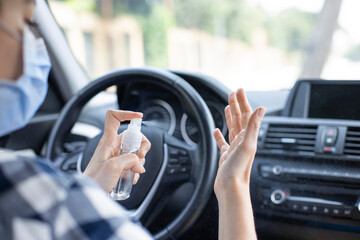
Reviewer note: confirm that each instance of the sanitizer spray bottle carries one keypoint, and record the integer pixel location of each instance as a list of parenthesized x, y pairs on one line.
[(130, 143)]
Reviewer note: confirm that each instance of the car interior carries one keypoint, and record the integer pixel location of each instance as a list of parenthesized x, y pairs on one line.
[(305, 176)]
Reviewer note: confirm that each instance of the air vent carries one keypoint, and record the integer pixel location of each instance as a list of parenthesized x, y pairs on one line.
[(352, 141), (293, 138)]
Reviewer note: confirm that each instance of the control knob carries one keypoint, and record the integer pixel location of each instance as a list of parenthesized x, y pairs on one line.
[(278, 196), (277, 170)]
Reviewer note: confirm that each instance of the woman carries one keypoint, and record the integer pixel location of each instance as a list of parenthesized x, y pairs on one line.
[(39, 202)]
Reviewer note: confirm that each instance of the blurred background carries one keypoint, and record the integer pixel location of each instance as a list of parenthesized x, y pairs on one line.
[(259, 45)]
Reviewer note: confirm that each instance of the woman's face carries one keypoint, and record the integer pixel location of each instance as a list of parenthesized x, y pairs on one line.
[(16, 13), (29, 7)]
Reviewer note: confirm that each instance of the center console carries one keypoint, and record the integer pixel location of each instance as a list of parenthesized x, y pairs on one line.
[(307, 166)]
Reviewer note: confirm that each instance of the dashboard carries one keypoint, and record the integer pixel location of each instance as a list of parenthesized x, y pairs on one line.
[(306, 174), (162, 108)]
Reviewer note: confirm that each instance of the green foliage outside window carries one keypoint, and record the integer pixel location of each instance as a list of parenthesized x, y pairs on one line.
[(235, 19)]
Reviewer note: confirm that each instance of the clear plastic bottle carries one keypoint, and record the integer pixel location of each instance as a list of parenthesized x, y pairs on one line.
[(130, 143)]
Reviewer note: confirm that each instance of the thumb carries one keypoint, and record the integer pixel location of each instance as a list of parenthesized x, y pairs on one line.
[(252, 129)]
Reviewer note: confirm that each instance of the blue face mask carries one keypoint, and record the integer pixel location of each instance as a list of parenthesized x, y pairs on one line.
[(20, 99)]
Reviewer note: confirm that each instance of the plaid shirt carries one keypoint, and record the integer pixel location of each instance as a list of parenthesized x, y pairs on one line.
[(39, 202)]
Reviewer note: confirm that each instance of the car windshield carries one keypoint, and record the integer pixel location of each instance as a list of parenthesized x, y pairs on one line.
[(259, 45)]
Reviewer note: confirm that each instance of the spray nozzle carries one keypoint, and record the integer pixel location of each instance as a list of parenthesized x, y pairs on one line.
[(135, 124), (132, 136), (136, 121)]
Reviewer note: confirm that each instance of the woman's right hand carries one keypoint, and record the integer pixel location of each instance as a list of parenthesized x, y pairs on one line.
[(105, 166)]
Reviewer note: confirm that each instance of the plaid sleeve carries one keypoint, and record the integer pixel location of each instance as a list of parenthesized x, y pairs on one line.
[(40, 202)]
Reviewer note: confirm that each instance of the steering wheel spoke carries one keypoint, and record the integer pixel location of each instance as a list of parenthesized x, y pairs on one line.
[(180, 161), (176, 170)]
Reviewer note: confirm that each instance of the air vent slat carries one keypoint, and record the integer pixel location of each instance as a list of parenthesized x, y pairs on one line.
[(294, 130), (353, 133), (275, 146), (306, 142), (352, 145), (352, 141), (305, 148), (280, 146), (299, 141), (352, 152), (291, 137)]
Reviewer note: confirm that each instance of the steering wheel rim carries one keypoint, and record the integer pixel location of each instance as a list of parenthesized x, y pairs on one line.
[(202, 116)]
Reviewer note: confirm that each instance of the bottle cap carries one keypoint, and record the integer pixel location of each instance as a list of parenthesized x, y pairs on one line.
[(135, 124), (132, 136)]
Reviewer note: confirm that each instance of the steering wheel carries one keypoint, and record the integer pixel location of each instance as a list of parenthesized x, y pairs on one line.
[(170, 163)]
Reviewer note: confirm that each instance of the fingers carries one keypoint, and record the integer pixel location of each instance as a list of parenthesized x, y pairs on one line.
[(253, 127), (229, 123), (138, 168), (245, 107), (220, 140), (235, 113), (114, 117), (137, 175), (125, 115), (125, 162), (136, 178), (145, 147)]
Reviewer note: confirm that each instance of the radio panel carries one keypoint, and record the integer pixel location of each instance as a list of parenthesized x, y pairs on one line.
[(282, 201), (302, 190), (297, 172), (308, 169)]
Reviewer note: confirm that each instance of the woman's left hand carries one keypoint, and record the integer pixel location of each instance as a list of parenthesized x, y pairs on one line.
[(237, 157), (105, 165)]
